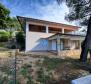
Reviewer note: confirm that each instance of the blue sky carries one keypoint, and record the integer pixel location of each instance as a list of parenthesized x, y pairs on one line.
[(40, 9)]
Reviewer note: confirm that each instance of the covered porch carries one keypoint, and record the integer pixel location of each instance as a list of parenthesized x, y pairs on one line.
[(65, 44)]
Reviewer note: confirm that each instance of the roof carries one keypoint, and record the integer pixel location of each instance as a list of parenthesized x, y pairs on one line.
[(67, 35), (22, 20)]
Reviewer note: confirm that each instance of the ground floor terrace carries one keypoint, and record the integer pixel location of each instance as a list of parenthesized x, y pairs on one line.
[(65, 44)]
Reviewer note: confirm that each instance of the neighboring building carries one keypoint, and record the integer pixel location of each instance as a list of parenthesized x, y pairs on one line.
[(49, 36)]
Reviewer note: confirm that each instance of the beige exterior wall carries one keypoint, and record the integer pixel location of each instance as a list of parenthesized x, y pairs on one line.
[(71, 44), (70, 53), (35, 41)]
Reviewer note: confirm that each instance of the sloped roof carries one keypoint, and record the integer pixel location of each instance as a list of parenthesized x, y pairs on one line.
[(22, 21)]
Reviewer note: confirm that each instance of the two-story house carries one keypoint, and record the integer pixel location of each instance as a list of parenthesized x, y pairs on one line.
[(41, 35)]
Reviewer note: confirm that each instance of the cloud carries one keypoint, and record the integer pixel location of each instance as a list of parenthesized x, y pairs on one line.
[(54, 12), (51, 12), (40, 9)]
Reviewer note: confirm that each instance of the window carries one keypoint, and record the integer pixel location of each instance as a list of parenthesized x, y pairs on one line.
[(77, 45), (66, 44), (54, 30), (37, 28)]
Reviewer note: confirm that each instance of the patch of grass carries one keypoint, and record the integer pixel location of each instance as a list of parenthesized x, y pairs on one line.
[(51, 63), (25, 66), (30, 81), (40, 74), (25, 72), (42, 77), (24, 69), (6, 68)]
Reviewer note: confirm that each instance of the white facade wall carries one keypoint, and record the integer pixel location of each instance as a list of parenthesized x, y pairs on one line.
[(35, 41)]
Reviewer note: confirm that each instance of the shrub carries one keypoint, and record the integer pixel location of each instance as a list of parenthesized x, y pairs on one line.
[(2, 45), (4, 36), (20, 40), (13, 47)]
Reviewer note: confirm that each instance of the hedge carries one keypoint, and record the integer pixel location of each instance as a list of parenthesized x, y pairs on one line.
[(4, 36)]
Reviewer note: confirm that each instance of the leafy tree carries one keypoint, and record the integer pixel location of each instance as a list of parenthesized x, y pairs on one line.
[(4, 15), (16, 23), (6, 21), (12, 25), (80, 10)]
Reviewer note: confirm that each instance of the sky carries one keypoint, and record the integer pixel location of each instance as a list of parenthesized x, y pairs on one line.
[(40, 9)]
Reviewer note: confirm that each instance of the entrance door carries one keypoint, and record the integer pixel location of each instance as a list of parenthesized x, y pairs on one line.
[(54, 47)]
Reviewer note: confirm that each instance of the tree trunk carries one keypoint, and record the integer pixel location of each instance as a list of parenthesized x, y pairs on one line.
[(86, 43)]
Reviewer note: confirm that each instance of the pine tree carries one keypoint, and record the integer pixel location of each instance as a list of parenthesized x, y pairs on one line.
[(80, 10)]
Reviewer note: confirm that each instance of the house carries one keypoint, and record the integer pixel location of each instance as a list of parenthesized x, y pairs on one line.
[(43, 35)]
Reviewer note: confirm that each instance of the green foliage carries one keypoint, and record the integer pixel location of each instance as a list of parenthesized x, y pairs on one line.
[(30, 81), (4, 15), (24, 69), (3, 80), (10, 82), (51, 63), (27, 66), (16, 23), (6, 21), (24, 72), (42, 77), (4, 36), (6, 69), (13, 47), (6, 80), (2, 44), (13, 24), (20, 40), (80, 10)]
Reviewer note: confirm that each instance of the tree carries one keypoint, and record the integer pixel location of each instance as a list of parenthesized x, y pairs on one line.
[(80, 10), (4, 15), (10, 26), (16, 23), (6, 21)]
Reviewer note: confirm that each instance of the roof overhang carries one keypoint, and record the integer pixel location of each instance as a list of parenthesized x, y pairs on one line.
[(23, 21), (66, 36)]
